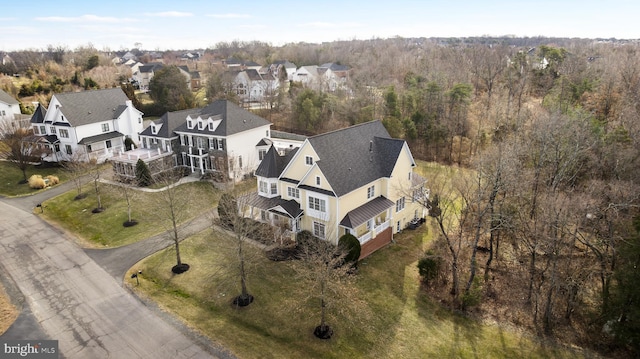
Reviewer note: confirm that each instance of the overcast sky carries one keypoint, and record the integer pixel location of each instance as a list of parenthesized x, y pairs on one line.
[(193, 24)]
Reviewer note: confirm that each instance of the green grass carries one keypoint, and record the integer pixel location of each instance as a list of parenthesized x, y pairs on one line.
[(10, 177), (105, 228), (398, 320)]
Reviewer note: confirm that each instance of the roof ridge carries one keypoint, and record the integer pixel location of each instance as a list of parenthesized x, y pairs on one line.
[(346, 128)]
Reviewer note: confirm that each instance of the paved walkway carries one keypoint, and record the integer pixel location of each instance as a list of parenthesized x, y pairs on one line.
[(76, 296)]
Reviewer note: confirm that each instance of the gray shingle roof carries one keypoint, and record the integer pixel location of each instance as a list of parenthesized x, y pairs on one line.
[(82, 108), (39, 114), (273, 164), (8, 99), (352, 157), (170, 121), (234, 119)]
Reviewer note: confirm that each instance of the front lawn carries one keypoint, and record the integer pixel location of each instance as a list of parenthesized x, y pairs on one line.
[(105, 229), (402, 322), (11, 176)]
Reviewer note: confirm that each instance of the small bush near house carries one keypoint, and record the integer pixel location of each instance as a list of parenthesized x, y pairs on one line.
[(36, 182), (428, 267), (352, 245), (53, 180)]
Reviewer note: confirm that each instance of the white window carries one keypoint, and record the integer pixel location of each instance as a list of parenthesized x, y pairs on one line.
[(189, 124), (263, 215), (318, 230), (317, 204), (64, 133), (210, 126), (154, 130), (371, 192), (261, 154), (274, 188), (52, 129), (267, 133), (317, 180), (108, 143), (293, 192), (43, 130), (240, 161), (185, 140), (105, 127), (35, 130), (200, 125), (400, 204), (220, 144), (68, 149), (262, 186), (308, 160)]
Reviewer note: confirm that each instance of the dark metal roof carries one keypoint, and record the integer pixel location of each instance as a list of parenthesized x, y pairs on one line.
[(365, 212), (100, 137)]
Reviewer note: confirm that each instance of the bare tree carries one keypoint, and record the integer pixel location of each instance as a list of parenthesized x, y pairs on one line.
[(77, 167), (173, 201), (322, 268), (240, 230), (95, 171), (19, 146)]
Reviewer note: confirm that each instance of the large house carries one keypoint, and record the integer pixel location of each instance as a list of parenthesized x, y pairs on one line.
[(221, 139), (92, 123), (356, 180)]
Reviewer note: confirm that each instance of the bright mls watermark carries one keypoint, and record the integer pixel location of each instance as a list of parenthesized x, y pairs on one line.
[(41, 349)]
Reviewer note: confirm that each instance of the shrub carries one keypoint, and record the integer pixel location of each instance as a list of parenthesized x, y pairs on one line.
[(53, 180), (428, 267), (36, 182), (352, 245), (143, 174)]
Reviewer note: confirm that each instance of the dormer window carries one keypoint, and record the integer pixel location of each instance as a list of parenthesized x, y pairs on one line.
[(308, 160), (210, 126), (189, 123), (154, 130), (200, 125)]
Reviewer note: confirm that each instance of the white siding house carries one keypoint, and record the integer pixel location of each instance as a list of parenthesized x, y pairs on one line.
[(95, 123)]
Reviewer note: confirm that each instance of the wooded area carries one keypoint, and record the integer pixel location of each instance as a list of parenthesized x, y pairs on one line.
[(542, 228)]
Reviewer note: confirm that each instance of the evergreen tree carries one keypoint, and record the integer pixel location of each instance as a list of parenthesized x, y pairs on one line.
[(143, 175)]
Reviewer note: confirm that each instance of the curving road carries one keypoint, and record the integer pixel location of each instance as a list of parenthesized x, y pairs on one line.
[(76, 301)]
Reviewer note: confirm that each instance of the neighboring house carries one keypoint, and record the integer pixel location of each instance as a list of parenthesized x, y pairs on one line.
[(335, 76), (308, 76), (277, 68), (92, 123), (252, 87), (240, 65), (193, 78), (356, 180), (145, 73), (9, 107), (221, 139)]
